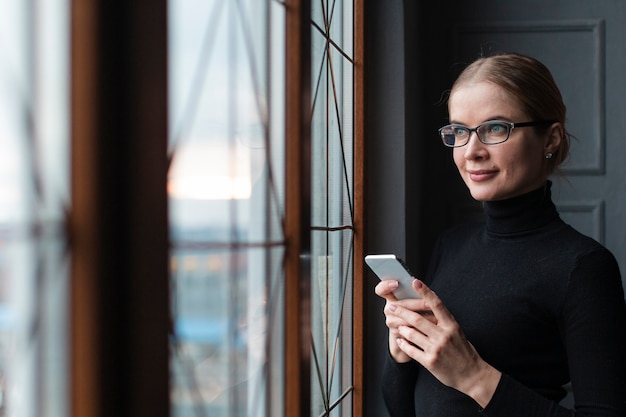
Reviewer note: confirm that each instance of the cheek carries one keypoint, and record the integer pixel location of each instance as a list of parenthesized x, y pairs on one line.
[(521, 170), (459, 160)]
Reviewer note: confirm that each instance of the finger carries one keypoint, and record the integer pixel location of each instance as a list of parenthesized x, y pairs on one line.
[(417, 338), (410, 349), (423, 322), (393, 322), (414, 304), (428, 315), (433, 302), (393, 319), (386, 287)]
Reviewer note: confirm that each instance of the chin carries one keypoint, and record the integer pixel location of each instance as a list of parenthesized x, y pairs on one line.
[(483, 197), (494, 195), (486, 193)]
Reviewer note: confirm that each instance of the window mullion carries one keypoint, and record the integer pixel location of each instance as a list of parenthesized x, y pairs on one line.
[(298, 209)]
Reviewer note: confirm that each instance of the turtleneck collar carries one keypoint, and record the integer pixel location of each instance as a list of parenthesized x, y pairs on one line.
[(522, 213)]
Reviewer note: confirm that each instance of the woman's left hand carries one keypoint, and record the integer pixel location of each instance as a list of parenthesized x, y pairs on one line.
[(443, 350)]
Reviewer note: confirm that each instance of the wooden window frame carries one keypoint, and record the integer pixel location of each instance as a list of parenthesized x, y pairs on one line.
[(298, 213), (118, 221), (298, 208), (119, 330), (359, 289)]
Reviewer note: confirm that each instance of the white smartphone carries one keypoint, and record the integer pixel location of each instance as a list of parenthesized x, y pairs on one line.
[(391, 267)]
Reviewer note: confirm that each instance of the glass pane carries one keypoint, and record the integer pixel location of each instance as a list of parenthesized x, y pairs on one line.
[(332, 209), (34, 183), (226, 202), (338, 17)]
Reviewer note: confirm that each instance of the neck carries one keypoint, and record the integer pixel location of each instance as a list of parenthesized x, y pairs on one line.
[(522, 213)]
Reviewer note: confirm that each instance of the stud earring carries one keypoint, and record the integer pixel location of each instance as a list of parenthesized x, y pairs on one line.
[(549, 155)]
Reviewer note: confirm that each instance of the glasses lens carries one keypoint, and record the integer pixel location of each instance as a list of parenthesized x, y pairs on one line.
[(494, 132), (454, 135), (447, 134)]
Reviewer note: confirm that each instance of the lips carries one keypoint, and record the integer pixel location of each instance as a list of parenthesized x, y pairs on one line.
[(482, 175)]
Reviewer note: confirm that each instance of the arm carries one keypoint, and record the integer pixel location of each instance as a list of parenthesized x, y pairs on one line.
[(594, 333), (593, 328), (399, 371), (398, 387)]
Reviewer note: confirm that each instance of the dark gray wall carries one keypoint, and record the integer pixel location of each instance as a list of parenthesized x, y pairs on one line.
[(410, 175), (385, 179)]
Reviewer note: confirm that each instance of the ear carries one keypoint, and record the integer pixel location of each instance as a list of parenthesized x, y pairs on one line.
[(554, 136)]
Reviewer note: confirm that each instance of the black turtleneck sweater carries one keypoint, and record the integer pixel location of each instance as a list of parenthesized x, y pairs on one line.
[(540, 302)]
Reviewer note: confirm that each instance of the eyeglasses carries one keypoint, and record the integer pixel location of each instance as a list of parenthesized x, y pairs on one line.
[(489, 133)]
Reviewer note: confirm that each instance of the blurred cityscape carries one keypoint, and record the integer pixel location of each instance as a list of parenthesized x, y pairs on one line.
[(209, 307)]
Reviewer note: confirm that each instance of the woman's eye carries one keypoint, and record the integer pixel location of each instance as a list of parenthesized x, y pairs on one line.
[(497, 129), (460, 131)]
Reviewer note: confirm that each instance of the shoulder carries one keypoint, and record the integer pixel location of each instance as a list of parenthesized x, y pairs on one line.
[(595, 269), (582, 254), (588, 254), (580, 241), (594, 276)]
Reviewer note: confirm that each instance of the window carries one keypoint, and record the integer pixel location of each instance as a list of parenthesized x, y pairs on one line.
[(34, 196), (236, 205), (240, 223), (226, 188), (332, 201)]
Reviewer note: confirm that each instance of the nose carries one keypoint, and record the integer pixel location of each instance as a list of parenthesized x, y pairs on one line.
[(475, 149)]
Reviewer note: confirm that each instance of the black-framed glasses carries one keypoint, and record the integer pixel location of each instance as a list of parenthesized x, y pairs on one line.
[(489, 133)]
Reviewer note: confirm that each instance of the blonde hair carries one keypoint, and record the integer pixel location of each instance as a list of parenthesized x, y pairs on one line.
[(531, 84)]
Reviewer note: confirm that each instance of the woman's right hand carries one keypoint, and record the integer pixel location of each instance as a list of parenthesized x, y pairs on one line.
[(385, 289)]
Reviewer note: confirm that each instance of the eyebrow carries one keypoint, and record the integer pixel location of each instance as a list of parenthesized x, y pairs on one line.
[(503, 118)]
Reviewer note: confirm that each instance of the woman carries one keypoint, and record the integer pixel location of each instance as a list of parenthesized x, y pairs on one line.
[(516, 307)]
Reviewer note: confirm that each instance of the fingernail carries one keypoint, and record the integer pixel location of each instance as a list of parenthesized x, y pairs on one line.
[(399, 341), (393, 284), (393, 307), (418, 283)]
